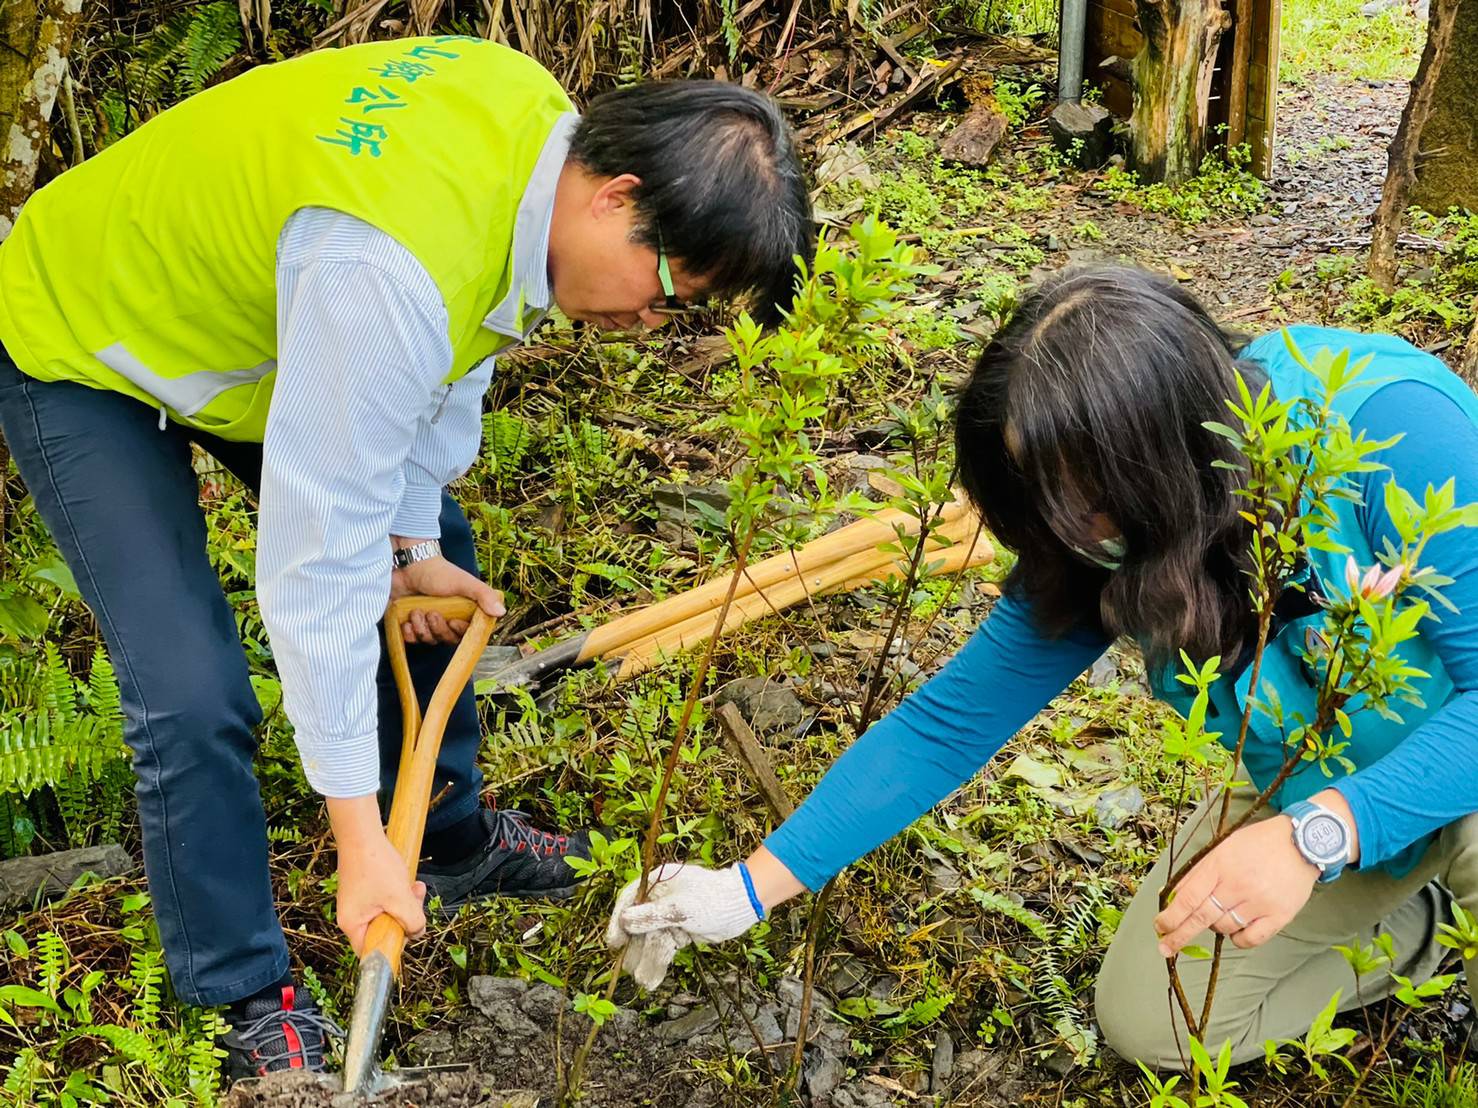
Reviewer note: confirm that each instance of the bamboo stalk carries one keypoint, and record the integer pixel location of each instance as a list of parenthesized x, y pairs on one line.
[(864, 568), (864, 535)]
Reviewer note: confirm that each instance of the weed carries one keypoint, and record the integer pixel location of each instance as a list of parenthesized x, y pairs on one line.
[(1332, 36), (1223, 188)]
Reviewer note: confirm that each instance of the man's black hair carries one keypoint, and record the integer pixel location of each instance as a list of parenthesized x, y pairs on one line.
[(720, 182)]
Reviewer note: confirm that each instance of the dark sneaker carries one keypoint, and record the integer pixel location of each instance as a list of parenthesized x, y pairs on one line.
[(518, 860), (284, 1034)]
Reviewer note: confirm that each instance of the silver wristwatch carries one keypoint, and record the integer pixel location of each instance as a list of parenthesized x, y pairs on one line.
[(1321, 836), (416, 552)]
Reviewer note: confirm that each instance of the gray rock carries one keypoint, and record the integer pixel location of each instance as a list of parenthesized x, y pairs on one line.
[(883, 986), (1090, 124), (542, 1003), (682, 507), (677, 1011), (767, 706), (23, 880), (767, 1022), (861, 1094), (700, 1021), (841, 163), (822, 1073), (849, 975), (498, 999), (856, 470), (821, 649), (975, 139), (944, 1063), (975, 1068), (1103, 671), (1117, 807)]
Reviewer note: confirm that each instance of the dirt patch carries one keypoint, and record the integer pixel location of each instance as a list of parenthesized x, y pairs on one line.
[(466, 1089)]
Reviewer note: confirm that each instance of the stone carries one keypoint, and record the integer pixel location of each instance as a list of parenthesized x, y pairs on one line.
[(943, 1064), (975, 139), (700, 1021), (498, 999), (681, 508), (542, 1003), (47, 876), (849, 975), (1116, 807), (766, 705), (767, 1022), (861, 1094), (1103, 671), (677, 1011), (1090, 124), (857, 471), (822, 1073), (843, 163)]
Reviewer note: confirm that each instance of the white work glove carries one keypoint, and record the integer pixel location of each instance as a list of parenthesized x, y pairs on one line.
[(684, 904)]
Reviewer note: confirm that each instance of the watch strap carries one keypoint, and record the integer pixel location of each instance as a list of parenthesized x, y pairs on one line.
[(416, 552), (1300, 812)]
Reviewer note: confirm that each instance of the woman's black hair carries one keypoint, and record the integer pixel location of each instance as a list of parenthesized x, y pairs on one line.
[(720, 182), (1091, 400)]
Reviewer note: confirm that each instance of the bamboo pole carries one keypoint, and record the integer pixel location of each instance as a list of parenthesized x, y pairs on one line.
[(863, 568), (863, 536)]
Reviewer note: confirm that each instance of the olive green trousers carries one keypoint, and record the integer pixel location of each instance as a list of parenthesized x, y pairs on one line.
[(1274, 991)]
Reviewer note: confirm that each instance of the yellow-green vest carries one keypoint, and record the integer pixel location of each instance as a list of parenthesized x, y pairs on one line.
[(150, 269)]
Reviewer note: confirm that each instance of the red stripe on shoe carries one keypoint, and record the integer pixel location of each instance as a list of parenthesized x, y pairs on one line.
[(289, 994), (294, 1045)]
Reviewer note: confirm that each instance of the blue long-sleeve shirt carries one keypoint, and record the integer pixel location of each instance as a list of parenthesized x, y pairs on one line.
[(1008, 672)]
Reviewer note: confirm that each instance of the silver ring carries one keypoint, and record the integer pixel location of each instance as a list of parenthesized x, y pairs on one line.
[(1224, 910)]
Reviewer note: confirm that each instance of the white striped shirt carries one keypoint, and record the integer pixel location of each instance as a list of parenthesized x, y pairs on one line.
[(362, 435)]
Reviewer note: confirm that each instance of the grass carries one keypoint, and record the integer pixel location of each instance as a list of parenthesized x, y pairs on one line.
[(1332, 37)]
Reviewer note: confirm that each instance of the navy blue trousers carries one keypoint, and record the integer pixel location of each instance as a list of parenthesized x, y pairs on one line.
[(121, 499)]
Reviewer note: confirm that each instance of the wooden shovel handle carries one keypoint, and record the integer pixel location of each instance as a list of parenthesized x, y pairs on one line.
[(422, 742)]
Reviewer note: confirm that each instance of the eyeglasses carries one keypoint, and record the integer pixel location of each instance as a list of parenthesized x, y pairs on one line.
[(671, 305)]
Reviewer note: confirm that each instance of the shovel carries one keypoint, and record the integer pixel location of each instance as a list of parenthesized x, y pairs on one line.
[(379, 961)]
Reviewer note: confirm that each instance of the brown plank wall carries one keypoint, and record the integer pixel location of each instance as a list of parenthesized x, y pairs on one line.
[(1113, 33)]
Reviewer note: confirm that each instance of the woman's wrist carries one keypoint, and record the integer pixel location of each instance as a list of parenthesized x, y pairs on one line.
[(773, 882)]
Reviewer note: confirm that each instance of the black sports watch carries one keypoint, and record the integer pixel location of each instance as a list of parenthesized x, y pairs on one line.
[(416, 552)]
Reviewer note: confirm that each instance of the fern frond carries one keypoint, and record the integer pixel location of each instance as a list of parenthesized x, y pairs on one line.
[(213, 36)]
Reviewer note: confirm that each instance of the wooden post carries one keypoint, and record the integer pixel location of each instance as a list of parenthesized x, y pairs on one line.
[(1401, 173), (1172, 85)]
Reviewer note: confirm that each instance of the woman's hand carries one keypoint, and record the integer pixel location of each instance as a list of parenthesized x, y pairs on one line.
[(688, 903), (684, 904), (1249, 888), (439, 577), (372, 874)]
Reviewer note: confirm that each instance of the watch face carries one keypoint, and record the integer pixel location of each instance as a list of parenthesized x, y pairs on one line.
[(1324, 838)]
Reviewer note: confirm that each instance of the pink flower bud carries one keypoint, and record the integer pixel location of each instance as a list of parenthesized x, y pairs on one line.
[(1352, 572), (1387, 582), (1367, 583)]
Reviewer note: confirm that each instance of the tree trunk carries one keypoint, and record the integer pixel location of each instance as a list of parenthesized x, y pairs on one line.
[(1468, 367), (1447, 176), (35, 36), (1401, 173), (1172, 85)]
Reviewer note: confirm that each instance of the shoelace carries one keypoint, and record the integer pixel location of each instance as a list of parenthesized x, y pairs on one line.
[(300, 1020), (516, 833)]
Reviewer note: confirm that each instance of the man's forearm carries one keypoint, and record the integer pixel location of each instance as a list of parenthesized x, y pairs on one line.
[(354, 820)]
